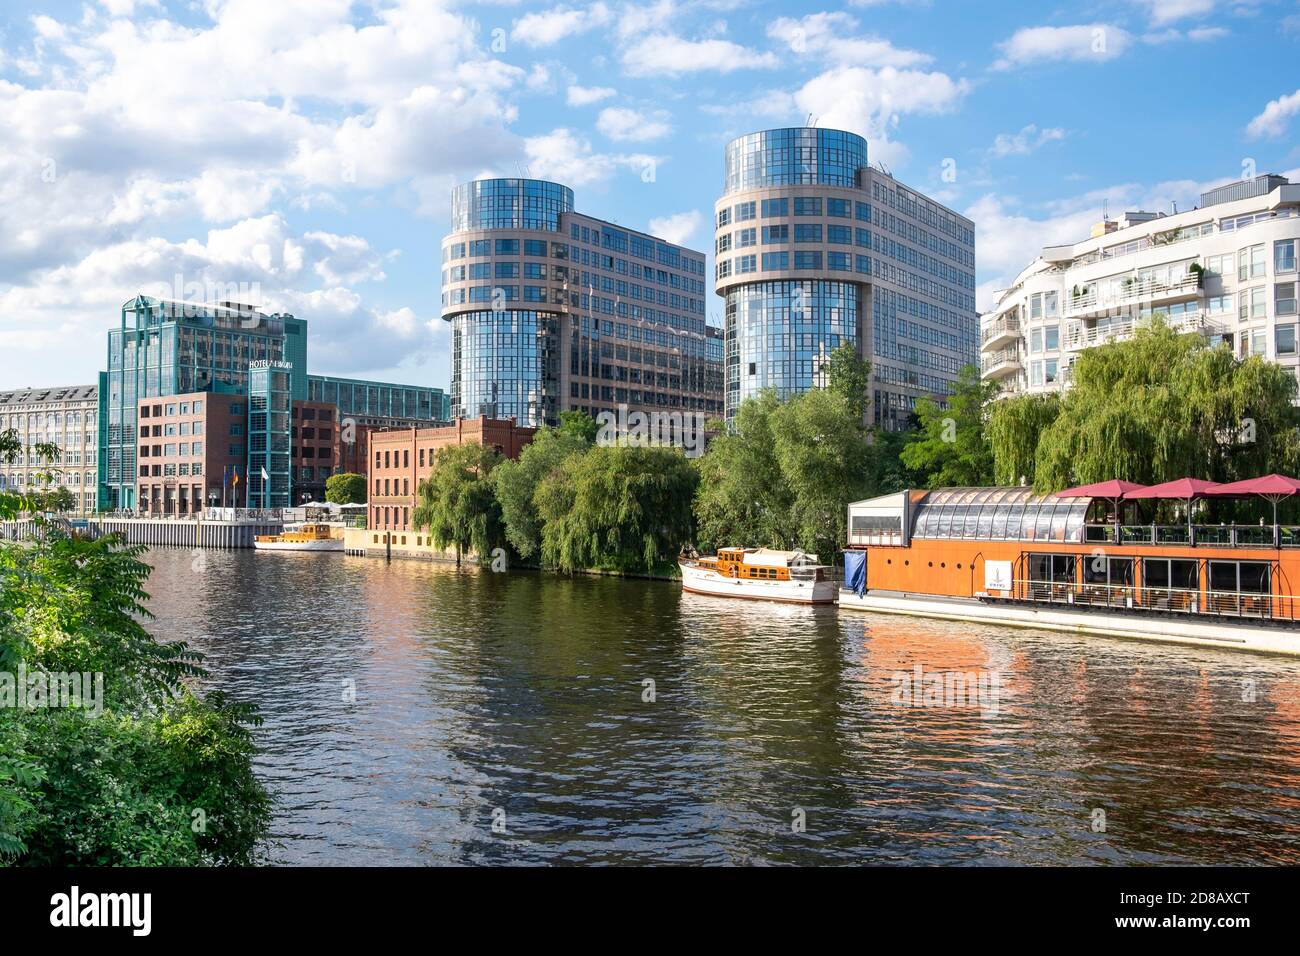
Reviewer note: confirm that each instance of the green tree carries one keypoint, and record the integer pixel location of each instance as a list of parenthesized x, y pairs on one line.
[(346, 488), (824, 458), (952, 447), (1015, 428), (1162, 405), (580, 425), (743, 498), (850, 376), (888, 473), (127, 785), (516, 483), (617, 508), (457, 504)]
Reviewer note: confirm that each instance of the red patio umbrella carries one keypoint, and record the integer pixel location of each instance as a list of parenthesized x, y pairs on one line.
[(1113, 491), (1272, 488), (1180, 489)]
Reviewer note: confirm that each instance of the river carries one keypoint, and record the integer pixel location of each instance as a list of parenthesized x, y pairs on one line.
[(420, 714)]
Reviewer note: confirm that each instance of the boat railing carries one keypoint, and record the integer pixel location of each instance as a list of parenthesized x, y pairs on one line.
[(1246, 604), (1205, 535)]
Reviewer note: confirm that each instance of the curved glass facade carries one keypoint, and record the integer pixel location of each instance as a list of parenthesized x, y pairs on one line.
[(793, 157), (499, 366), (779, 334), (509, 204), (999, 514)]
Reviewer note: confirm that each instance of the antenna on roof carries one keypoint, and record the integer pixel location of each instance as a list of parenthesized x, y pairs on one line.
[(1175, 207), (1105, 210)]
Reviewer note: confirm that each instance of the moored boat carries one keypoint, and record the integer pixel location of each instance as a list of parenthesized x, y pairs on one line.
[(1070, 562), (760, 574), (306, 537)]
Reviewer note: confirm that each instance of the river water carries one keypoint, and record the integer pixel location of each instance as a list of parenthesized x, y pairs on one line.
[(417, 714)]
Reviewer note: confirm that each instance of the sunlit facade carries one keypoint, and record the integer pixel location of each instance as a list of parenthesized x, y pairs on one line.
[(1226, 270), (66, 417), (816, 248), (553, 310)]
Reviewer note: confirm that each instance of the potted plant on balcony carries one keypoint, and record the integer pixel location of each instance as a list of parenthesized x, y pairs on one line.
[(1197, 270)]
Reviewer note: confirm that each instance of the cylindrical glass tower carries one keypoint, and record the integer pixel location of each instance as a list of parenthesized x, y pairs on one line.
[(509, 204), (793, 157)]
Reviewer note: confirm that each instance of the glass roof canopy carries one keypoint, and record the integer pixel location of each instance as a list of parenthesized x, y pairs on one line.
[(999, 514)]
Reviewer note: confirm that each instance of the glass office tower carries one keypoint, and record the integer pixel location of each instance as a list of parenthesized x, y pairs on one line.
[(270, 477), (553, 310), (816, 248)]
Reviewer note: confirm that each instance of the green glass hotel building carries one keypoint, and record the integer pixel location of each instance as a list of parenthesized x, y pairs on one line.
[(164, 347)]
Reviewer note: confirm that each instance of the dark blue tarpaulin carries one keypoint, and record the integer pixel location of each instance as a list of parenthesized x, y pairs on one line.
[(855, 571)]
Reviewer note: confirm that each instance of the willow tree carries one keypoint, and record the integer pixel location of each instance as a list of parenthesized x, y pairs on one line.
[(1014, 429), (1161, 406), (457, 504), (516, 482), (617, 508)]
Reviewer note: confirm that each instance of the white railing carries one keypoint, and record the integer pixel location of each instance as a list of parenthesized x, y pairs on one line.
[(1131, 290), (1188, 601), (1080, 338)]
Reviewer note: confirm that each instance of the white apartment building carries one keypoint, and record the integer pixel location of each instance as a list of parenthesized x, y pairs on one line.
[(67, 417), (1226, 269)]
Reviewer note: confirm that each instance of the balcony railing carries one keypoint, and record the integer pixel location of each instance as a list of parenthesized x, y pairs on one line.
[(1005, 360), (1002, 328), (1119, 330), (1202, 535), (1133, 290)]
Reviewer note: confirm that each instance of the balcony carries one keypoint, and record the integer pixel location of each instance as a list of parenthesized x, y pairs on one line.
[(1000, 364), (1116, 331), (1002, 332), (1133, 291)]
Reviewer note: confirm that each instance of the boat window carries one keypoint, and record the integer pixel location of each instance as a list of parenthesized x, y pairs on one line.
[(973, 513), (1155, 573), (1223, 575), (1185, 575), (944, 529), (1254, 577), (987, 514), (1040, 567)]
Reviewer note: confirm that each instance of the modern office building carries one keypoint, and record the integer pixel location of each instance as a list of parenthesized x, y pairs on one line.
[(815, 248), (371, 403), (1226, 269), (164, 347), (67, 417), (553, 310), (270, 477)]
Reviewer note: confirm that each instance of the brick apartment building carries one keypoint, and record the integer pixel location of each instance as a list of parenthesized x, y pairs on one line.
[(400, 459), (315, 448)]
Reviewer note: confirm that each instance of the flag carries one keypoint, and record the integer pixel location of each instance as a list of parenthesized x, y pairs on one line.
[(235, 480), (265, 476)]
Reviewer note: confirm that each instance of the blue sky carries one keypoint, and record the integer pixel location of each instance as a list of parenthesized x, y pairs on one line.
[(301, 152)]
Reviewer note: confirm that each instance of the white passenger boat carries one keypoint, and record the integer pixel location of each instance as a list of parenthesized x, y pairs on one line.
[(306, 537), (760, 574)]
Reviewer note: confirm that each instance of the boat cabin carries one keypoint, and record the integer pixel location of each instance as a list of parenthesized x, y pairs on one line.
[(765, 564)]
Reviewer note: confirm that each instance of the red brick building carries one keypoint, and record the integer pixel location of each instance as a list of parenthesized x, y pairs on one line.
[(186, 445), (400, 459), (314, 443)]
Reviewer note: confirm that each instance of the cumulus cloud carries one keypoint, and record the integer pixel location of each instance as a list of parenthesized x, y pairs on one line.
[(549, 27), (564, 156), (628, 125), (587, 95), (828, 37), (665, 54), (679, 227), (1026, 141), (1275, 117), (1092, 42)]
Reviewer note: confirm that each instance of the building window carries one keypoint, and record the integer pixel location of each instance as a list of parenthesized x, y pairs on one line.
[(1284, 256), (1284, 299), (1285, 340)]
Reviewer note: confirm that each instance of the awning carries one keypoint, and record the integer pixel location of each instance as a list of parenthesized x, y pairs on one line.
[(1101, 489), (1269, 486), (1183, 489)]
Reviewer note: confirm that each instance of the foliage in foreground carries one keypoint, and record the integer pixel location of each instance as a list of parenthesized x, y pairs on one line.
[(161, 776)]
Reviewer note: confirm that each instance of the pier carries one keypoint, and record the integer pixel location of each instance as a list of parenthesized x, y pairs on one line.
[(218, 531)]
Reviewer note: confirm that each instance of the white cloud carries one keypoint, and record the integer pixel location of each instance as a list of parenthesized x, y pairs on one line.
[(587, 95), (551, 26), (1095, 42), (827, 36), (1273, 121), (664, 54), (563, 156), (677, 228), (1162, 12), (1026, 141), (627, 125)]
